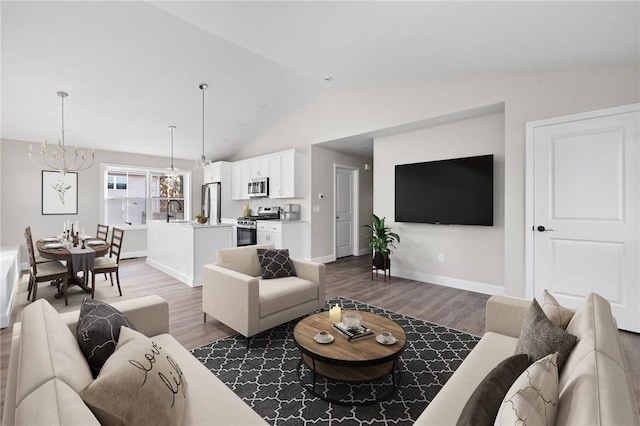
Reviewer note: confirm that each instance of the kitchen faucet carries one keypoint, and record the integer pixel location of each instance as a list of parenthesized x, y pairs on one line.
[(169, 208)]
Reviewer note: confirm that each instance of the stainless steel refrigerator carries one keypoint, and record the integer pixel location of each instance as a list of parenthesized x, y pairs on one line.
[(211, 202)]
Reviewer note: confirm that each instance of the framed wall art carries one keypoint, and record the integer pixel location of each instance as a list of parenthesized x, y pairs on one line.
[(59, 192)]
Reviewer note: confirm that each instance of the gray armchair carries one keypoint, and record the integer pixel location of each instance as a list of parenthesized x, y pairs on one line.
[(234, 293)]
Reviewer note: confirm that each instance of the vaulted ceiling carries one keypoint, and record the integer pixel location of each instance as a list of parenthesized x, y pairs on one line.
[(133, 68)]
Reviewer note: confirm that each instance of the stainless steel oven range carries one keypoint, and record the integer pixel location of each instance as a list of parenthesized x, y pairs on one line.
[(247, 233)]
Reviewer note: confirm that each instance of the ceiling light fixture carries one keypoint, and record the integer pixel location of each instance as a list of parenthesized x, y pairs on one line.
[(55, 157), (202, 162)]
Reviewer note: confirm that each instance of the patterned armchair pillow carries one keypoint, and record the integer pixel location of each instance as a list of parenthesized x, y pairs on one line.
[(276, 263)]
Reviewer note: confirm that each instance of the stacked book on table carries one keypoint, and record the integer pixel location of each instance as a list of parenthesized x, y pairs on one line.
[(353, 334)]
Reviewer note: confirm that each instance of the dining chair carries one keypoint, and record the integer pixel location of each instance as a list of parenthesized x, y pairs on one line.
[(102, 232), (39, 260), (109, 264), (46, 271)]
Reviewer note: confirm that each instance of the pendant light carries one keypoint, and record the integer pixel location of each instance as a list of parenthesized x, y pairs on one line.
[(202, 161), (172, 128)]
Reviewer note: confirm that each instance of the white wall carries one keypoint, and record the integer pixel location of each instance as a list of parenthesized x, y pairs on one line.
[(21, 195), (474, 255), (346, 111), (322, 182)]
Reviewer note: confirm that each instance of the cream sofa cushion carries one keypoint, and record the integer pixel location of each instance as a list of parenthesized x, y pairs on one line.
[(242, 259), (594, 386), (48, 350), (447, 405), (54, 403), (209, 401), (283, 293)]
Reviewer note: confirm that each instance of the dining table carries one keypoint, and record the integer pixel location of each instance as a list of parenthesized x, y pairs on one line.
[(83, 254)]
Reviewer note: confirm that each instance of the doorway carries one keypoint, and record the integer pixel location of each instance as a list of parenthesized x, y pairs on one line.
[(345, 207), (583, 209)]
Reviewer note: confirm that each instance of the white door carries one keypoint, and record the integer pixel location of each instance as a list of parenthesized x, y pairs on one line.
[(344, 212), (586, 212)]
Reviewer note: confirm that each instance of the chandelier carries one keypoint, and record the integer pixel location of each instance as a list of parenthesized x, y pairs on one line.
[(202, 161), (55, 156)]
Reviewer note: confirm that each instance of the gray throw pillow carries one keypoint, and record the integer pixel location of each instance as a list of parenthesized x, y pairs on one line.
[(483, 404), (98, 331), (276, 263), (540, 337)]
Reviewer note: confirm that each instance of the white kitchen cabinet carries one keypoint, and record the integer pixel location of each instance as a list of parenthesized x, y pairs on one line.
[(240, 175), (288, 235), (259, 167), (269, 233), (275, 176), (287, 175), (213, 172), (221, 172), (286, 170)]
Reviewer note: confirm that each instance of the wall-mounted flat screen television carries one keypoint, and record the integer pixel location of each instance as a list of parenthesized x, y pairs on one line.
[(456, 191)]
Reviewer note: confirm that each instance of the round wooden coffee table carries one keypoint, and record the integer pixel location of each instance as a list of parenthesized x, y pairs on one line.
[(344, 361)]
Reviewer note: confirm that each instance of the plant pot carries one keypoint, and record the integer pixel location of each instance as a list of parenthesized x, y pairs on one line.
[(202, 220), (380, 262)]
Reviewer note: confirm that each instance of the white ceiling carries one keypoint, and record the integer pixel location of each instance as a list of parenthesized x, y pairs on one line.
[(133, 68)]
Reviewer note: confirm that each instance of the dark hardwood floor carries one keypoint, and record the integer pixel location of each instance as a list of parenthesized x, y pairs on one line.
[(349, 277)]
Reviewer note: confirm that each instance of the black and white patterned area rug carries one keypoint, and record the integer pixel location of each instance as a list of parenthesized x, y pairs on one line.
[(266, 376)]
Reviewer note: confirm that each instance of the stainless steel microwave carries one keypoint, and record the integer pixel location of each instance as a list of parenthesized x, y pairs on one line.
[(258, 187)]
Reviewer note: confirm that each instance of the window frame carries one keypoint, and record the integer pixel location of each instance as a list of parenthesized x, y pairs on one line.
[(148, 173)]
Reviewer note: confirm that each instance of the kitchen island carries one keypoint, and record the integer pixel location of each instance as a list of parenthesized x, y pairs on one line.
[(181, 248)]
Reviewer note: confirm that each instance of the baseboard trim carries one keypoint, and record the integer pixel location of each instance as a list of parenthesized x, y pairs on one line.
[(190, 281), (133, 254), (475, 286)]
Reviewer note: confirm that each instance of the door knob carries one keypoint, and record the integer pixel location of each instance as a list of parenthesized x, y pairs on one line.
[(543, 229)]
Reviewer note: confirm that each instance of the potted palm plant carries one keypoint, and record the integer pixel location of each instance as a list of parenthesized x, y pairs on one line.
[(381, 239)]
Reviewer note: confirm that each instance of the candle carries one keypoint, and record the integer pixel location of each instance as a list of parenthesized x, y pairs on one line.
[(335, 314)]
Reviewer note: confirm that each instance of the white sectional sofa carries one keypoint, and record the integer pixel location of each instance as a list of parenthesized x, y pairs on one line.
[(45, 378), (594, 385), (45, 375)]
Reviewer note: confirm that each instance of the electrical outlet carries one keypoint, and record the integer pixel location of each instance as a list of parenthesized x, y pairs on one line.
[(441, 257), (316, 208)]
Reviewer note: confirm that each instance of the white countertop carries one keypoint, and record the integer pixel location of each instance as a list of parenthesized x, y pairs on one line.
[(190, 223), (281, 221)]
